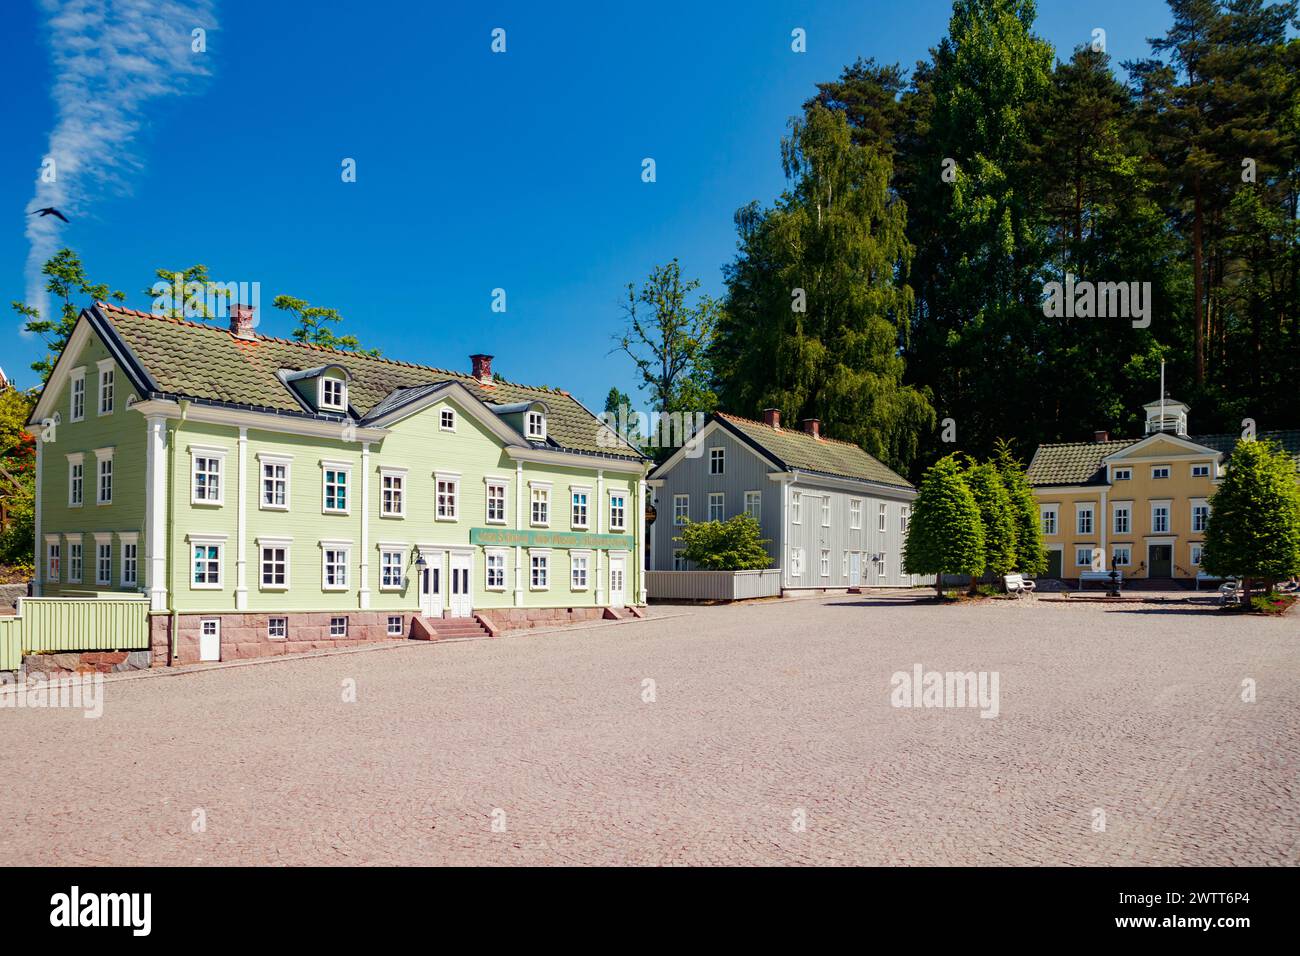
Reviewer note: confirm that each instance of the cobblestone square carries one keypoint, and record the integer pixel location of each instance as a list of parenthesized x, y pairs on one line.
[(752, 734)]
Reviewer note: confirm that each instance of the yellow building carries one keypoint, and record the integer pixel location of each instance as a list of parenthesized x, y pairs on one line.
[(1140, 502)]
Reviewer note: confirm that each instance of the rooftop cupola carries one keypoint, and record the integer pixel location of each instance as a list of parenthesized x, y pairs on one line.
[(1166, 415)]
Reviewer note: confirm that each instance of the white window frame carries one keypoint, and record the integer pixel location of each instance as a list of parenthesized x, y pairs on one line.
[(1208, 469), (681, 510), (718, 505), (1115, 549), (208, 454), (103, 468), (882, 517), (77, 390), (106, 397), (539, 492), (796, 507), (826, 511), (1195, 553), (53, 559), (103, 573), (585, 492), (76, 547), (334, 548), (824, 562), (1167, 506), (574, 558), (1199, 503), (717, 460), (754, 505), (490, 482), (1121, 474), (337, 468), (679, 559), (1085, 510), (271, 627), (131, 540), (217, 541), (1156, 469), (76, 481), (535, 425), (338, 626), (446, 496), (322, 388), (539, 558), (796, 562), (1122, 509), (273, 544), (1052, 511), (266, 461), (855, 514), (443, 415), (491, 557), (387, 552), (1080, 549), (394, 628), (397, 477)]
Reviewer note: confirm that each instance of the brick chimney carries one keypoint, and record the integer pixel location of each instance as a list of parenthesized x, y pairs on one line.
[(813, 426), (1101, 435), (482, 368), (772, 418), (242, 322)]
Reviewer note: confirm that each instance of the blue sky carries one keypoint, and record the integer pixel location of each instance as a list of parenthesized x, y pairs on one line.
[(474, 170)]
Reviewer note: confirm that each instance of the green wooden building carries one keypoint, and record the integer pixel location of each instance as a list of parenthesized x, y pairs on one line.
[(266, 493)]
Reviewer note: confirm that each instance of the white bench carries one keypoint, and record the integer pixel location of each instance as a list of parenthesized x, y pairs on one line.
[(1102, 576), (1018, 584), (1202, 576)]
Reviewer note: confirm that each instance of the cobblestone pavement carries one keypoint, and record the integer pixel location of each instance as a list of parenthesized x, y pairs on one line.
[(543, 750)]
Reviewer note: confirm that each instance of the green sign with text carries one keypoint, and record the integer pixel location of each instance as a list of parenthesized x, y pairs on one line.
[(506, 538)]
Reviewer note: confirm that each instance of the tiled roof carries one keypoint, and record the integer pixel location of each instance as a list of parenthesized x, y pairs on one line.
[(798, 450), (1080, 463), (205, 361)]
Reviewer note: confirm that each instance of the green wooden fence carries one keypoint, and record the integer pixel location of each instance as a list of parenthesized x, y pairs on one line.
[(73, 624)]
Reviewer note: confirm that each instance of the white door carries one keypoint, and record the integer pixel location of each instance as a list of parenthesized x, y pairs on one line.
[(210, 639), (616, 565), (855, 569), (462, 601), (431, 586)]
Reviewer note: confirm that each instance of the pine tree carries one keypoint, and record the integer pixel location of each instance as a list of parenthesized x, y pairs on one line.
[(1254, 528), (997, 517), (944, 534), (1031, 557)]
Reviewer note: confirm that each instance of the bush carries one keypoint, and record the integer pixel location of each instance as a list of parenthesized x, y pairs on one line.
[(732, 545)]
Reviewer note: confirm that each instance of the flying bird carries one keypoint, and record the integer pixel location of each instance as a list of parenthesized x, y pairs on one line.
[(48, 211)]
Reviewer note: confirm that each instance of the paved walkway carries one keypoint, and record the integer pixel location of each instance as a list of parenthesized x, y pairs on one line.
[(545, 749)]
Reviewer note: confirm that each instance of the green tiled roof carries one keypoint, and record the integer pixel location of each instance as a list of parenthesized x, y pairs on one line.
[(205, 361), (1080, 463), (798, 450)]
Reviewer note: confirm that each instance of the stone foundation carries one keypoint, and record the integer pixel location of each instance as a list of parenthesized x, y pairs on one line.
[(244, 635), (515, 618), (86, 662)]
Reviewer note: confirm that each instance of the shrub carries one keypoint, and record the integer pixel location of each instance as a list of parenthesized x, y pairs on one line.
[(731, 545)]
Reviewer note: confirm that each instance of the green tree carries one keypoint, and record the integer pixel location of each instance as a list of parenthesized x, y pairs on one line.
[(816, 308), (732, 545), (314, 325), (997, 518), (65, 278), (17, 479), (618, 412), (195, 275), (944, 534), (667, 337), (1254, 529), (1031, 557)]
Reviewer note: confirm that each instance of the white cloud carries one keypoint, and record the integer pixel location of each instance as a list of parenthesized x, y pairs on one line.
[(110, 59)]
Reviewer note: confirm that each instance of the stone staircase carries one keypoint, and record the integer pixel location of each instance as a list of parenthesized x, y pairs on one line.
[(441, 628)]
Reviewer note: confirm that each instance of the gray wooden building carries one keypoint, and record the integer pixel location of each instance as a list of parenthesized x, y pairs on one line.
[(835, 516)]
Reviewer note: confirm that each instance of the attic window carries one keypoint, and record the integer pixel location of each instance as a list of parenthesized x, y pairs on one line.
[(333, 393), (536, 426)]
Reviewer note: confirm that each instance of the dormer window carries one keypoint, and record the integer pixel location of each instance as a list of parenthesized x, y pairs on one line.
[(536, 426), (333, 393)]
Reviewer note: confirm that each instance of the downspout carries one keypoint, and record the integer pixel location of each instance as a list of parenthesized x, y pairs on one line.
[(171, 528)]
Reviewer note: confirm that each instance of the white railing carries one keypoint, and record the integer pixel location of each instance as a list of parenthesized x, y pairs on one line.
[(712, 585)]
